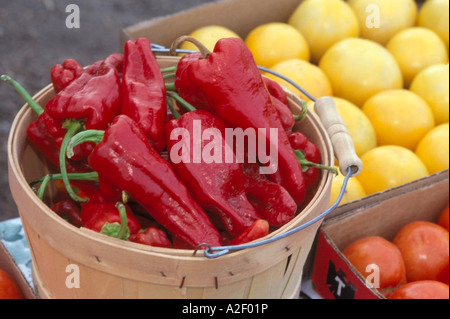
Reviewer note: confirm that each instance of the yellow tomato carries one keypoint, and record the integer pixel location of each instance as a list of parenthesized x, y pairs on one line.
[(400, 117), (307, 75), (276, 42), (415, 49), (390, 166), (379, 20), (432, 84), (353, 191), (358, 125), (323, 23), (208, 36), (359, 69), (434, 15), (433, 149)]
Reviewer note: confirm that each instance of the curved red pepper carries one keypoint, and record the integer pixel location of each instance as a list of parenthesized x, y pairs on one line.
[(46, 133), (281, 103), (48, 145), (228, 82), (218, 186), (311, 153), (151, 181), (94, 99), (271, 201), (143, 90), (276, 91)]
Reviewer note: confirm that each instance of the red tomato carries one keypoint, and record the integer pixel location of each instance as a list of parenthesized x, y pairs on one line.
[(443, 218), (425, 250), (381, 252), (8, 287), (422, 289)]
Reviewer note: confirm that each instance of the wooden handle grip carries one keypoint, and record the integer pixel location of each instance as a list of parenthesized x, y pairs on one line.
[(343, 145)]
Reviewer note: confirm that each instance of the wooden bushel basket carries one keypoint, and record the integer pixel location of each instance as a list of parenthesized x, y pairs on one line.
[(111, 268)]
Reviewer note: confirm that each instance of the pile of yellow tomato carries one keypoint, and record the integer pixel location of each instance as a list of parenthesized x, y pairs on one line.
[(384, 62)]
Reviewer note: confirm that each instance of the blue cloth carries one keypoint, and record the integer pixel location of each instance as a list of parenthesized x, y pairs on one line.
[(13, 237)]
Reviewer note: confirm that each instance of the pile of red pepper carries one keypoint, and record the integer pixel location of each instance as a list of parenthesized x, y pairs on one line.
[(107, 131)]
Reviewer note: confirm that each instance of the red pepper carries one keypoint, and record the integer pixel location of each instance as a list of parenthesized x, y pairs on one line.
[(276, 91), (280, 101), (93, 99), (126, 159), (306, 150), (49, 146), (63, 74), (152, 236), (94, 215), (217, 184), (68, 210), (270, 200), (258, 229), (46, 133), (143, 90), (114, 60), (228, 82)]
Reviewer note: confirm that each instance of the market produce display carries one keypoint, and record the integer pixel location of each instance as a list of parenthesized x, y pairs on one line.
[(141, 154), (396, 73), (109, 133), (413, 265)]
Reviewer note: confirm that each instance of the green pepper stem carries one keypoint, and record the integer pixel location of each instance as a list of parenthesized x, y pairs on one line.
[(170, 69), (189, 107), (306, 164), (45, 180), (124, 230), (304, 111), (73, 126), (118, 230), (172, 109), (171, 87), (84, 136), (88, 176), (168, 75), (25, 95)]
